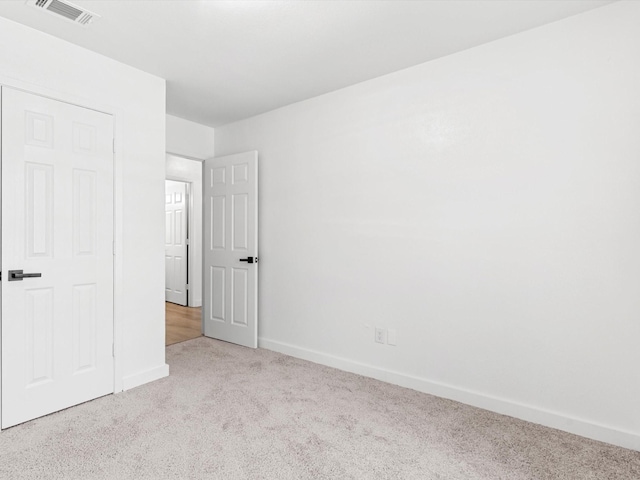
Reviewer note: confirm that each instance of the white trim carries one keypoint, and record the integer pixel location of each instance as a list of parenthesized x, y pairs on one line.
[(118, 259), (196, 159), (1, 237), (502, 406), (146, 376)]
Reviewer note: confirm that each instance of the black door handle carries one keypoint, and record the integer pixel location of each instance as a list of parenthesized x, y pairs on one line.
[(17, 275), (250, 259)]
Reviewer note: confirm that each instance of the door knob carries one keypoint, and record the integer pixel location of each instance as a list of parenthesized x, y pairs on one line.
[(17, 275), (250, 259)]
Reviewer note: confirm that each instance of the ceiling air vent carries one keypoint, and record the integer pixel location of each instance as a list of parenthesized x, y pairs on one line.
[(66, 10)]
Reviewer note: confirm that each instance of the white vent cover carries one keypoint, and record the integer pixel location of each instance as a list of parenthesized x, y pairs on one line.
[(64, 9)]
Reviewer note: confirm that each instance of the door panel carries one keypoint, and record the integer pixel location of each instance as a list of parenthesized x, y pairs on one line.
[(84, 328), (176, 242), (39, 328), (39, 200), (231, 233), (84, 212), (57, 330)]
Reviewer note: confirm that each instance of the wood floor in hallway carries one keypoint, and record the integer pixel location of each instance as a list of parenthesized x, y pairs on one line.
[(183, 323)]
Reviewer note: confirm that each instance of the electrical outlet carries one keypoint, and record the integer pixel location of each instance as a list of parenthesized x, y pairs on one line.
[(381, 335), (392, 336)]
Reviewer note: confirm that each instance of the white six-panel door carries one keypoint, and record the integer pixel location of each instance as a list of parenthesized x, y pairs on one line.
[(175, 242), (230, 300), (57, 220)]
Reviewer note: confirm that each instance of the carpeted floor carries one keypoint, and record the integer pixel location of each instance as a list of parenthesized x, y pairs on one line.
[(227, 412)]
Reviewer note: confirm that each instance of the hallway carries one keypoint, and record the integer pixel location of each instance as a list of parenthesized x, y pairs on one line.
[(182, 323)]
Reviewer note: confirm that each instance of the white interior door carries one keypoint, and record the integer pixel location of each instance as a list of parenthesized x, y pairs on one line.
[(57, 221), (175, 242), (230, 296)]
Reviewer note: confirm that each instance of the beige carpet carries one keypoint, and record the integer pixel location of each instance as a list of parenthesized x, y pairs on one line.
[(232, 413)]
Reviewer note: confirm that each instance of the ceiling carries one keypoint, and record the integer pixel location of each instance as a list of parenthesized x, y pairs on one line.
[(229, 60)]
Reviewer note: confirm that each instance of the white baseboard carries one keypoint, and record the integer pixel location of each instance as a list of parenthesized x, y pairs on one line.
[(137, 379), (529, 413)]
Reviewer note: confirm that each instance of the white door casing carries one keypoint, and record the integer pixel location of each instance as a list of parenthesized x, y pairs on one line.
[(230, 234), (57, 220), (175, 242)]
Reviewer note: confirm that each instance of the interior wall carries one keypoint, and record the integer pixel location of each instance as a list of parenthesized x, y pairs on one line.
[(31, 58), (189, 139), (179, 168), (484, 205)]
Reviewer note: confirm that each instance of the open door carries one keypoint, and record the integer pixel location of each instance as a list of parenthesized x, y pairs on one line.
[(230, 244), (176, 242)]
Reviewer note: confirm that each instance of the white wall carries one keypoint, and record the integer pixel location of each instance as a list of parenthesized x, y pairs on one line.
[(189, 139), (486, 206), (45, 64), (179, 168)]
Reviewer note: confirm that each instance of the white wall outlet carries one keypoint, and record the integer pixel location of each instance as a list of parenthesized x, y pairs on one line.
[(392, 336), (381, 335)]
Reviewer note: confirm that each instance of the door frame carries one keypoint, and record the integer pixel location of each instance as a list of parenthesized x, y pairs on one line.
[(194, 185), (190, 233), (118, 209)]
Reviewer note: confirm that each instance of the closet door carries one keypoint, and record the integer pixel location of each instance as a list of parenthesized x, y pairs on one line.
[(57, 255)]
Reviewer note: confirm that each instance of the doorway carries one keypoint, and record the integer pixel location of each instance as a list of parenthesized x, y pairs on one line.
[(183, 249)]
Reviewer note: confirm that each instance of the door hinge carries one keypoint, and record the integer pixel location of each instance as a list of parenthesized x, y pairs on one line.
[(113, 349), (114, 145), (187, 286), (113, 247)]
